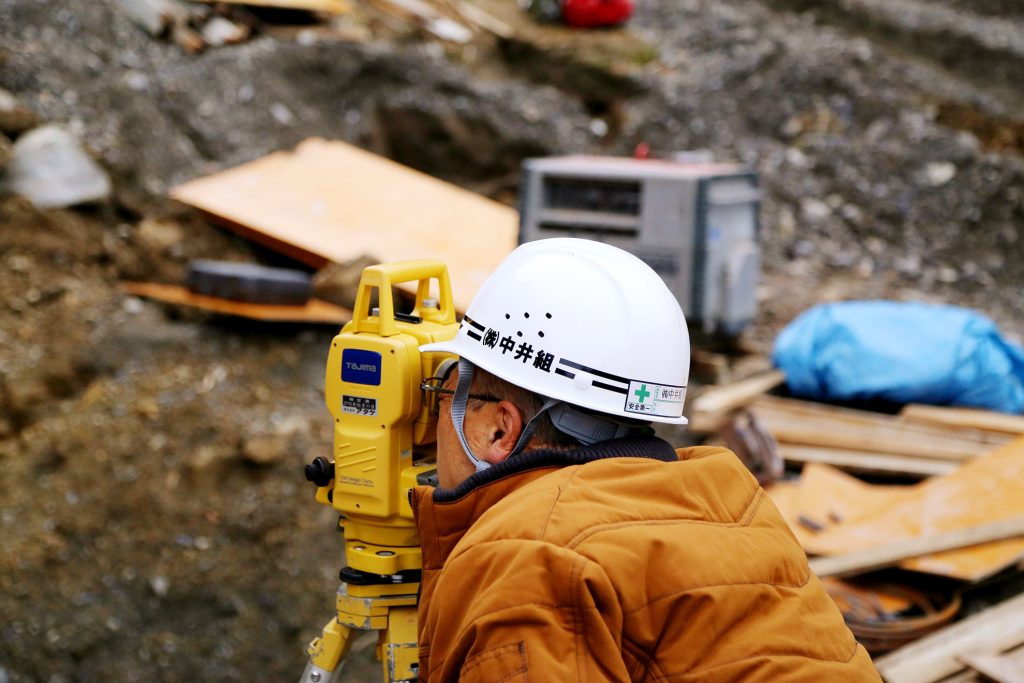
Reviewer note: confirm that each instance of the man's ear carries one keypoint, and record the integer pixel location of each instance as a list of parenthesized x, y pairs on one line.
[(506, 424)]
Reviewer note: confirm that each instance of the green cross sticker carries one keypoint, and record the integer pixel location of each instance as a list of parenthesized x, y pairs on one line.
[(642, 392)]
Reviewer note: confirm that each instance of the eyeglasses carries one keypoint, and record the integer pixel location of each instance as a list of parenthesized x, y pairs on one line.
[(433, 391)]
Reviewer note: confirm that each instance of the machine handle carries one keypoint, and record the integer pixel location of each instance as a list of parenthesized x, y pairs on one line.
[(383, 277)]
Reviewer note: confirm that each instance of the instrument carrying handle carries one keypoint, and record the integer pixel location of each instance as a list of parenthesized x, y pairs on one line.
[(383, 277)]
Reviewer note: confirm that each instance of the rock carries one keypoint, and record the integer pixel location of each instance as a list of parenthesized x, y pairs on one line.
[(160, 585), (15, 118), (209, 458), (282, 114), (266, 449), (337, 282), (5, 152), (814, 209), (154, 15), (50, 169), (147, 407), (220, 31), (939, 173), (599, 127), (158, 234)]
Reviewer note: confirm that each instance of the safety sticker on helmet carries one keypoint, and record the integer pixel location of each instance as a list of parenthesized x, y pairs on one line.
[(659, 400)]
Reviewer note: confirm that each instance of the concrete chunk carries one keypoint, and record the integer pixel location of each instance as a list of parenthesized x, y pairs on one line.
[(49, 167)]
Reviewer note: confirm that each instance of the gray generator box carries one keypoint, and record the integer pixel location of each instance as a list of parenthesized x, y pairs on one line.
[(695, 224)]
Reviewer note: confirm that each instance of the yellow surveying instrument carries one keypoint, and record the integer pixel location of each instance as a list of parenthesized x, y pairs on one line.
[(373, 391)]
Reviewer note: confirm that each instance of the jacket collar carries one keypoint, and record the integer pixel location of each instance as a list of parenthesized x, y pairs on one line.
[(444, 515)]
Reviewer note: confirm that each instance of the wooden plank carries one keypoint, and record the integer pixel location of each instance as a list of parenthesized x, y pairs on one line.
[(327, 6), (970, 418), (333, 202), (1005, 668), (988, 489), (935, 656), (965, 676), (828, 497), (860, 562), (721, 399), (481, 18), (881, 422), (796, 430), (313, 311), (799, 422), (426, 16), (865, 461)]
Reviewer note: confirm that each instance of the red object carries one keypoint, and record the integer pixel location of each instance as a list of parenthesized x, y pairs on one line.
[(594, 13), (642, 151)]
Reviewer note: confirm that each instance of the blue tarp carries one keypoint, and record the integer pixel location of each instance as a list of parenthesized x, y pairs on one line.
[(903, 353)]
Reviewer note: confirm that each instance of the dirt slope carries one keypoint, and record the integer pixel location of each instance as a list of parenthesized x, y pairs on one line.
[(155, 525)]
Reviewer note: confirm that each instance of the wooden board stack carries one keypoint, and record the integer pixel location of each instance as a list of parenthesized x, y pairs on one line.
[(963, 519)]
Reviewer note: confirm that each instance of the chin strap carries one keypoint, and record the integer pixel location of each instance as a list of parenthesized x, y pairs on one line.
[(459, 401), (461, 398)]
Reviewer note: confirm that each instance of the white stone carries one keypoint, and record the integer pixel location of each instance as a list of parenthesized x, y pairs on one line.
[(939, 173), (50, 168), (220, 31), (282, 114), (598, 127), (814, 209), (948, 275), (160, 585), (136, 80)]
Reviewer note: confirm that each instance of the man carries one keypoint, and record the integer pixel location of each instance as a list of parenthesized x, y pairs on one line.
[(566, 542)]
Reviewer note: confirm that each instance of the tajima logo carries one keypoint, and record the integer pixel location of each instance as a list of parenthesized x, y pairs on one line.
[(361, 367)]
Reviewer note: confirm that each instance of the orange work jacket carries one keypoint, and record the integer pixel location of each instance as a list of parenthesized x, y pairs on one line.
[(610, 563)]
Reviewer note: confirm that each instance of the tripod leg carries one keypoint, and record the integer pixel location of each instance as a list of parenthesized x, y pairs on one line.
[(326, 653), (396, 648)]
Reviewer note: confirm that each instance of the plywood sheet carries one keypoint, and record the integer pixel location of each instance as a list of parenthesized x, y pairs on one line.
[(825, 497), (987, 489), (314, 310), (330, 201), (831, 497)]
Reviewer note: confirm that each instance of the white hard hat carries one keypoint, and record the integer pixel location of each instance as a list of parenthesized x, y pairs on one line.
[(581, 322)]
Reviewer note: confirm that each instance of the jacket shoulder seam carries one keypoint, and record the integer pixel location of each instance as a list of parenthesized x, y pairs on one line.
[(744, 520), (554, 503), (807, 577)]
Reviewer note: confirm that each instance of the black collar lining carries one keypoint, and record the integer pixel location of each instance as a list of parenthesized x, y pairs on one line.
[(649, 447)]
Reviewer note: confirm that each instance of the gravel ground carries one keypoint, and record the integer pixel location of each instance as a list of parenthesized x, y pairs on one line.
[(155, 522)]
